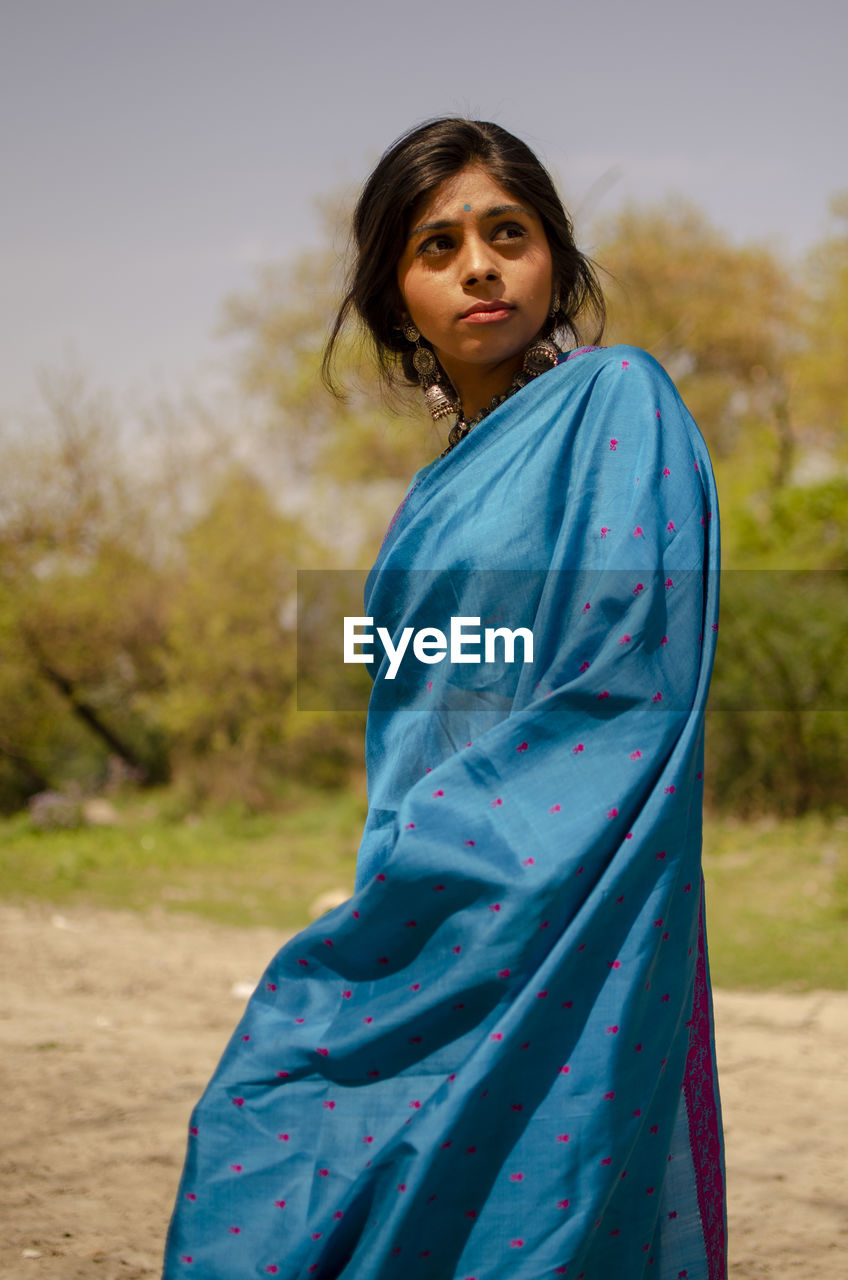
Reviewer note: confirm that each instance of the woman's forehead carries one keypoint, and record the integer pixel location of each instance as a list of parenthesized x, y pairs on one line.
[(472, 190)]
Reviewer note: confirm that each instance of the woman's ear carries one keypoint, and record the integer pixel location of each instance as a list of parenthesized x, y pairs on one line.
[(397, 307)]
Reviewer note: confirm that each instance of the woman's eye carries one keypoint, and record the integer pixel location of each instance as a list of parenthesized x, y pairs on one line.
[(509, 231), (436, 244)]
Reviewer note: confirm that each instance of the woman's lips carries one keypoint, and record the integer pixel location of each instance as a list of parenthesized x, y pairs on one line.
[(487, 313)]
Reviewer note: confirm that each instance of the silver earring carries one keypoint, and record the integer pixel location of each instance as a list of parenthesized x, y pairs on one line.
[(436, 398), (438, 402), (540, 356)]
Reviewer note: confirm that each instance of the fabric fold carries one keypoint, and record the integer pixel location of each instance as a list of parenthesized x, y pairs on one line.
[(495, 1060)]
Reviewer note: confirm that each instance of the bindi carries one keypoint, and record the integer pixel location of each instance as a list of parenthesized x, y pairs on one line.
[(467, 208)]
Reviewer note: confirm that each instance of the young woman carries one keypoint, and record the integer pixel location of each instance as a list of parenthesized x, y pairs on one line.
[(496, 1060)]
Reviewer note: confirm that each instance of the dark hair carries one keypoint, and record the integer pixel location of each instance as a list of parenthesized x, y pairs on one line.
[(413, 167)]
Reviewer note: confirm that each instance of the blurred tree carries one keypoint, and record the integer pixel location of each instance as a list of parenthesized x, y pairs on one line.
[(228, 704), (149, 611), (720, 317), (823, 382), (778, 736), (80, 602), (756, 354), (27, 712), (353, 456)]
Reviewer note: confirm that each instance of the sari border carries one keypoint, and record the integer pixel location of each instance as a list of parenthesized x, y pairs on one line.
[(700, 1091), (399, 509)]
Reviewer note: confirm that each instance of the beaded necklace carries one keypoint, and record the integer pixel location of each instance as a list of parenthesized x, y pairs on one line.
[(462, 426)]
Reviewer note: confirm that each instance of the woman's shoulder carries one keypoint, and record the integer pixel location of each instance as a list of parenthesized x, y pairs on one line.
[(620, 400), (619, 379), (619, 359)]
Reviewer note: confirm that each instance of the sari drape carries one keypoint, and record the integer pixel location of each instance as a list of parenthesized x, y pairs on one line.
[(496, 1060)]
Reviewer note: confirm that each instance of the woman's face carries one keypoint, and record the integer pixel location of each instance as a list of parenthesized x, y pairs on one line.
[(476, 273)]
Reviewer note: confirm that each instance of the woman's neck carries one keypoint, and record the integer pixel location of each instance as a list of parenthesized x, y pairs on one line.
[(477, 385)]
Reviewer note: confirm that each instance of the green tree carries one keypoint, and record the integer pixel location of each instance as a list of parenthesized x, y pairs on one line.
[(822, 380), (79, 620), (720, 317), (228, 703), (751, 347), (352, 456)]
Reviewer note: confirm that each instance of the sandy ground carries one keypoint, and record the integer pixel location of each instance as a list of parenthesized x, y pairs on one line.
[(110, 1024)]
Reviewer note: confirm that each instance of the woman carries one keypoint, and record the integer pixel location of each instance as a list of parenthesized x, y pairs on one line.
[(496, 1059)]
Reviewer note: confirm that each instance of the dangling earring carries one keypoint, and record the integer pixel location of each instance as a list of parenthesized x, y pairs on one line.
[(435, 396), (542, 355), (555, 304)]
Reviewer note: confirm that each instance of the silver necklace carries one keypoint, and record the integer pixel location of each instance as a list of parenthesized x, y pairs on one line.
[(540, 357)]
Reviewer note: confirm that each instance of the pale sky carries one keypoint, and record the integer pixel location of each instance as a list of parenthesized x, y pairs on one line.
[(154, 151)]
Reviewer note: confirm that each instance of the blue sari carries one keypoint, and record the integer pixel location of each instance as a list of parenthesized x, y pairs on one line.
[(496, 1060)]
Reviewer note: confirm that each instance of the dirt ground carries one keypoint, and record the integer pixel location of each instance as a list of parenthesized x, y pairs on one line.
[(110, 1024)]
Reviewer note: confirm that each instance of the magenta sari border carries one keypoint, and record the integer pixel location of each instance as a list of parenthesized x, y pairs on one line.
[(578, 351), (704, 1118), (400, 508)]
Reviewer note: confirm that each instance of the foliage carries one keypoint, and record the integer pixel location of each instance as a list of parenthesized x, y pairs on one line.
[(227, 656), (282, 325), (822, 384), (756, 351), (147, 570), (79, 617), (716, 315), (167, 646), (778, 728)]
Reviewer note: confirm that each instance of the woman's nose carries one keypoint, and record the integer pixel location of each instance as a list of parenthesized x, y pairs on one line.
[(478, 262), (475, 277)]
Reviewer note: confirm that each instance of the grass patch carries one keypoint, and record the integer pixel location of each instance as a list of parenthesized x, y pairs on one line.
[(227, 865), (777, 902), (777, 892)]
